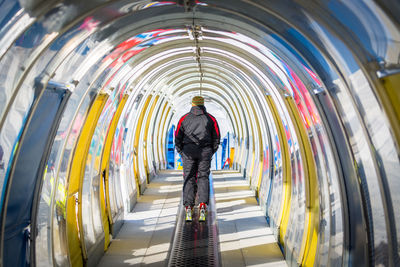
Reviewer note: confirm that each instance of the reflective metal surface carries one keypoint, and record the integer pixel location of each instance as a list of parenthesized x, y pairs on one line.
[(295, 84)]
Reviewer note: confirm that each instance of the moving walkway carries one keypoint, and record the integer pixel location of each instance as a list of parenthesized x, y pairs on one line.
[(156, 234), (308, 92)]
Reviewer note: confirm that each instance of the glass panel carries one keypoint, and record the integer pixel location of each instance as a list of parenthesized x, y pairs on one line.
[(297, 219), (27, 172), (113, 195)]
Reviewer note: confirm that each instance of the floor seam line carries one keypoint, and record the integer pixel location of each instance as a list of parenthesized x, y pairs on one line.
[(152, 234)]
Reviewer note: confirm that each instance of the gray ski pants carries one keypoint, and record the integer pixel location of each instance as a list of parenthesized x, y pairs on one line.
[(196, 163)]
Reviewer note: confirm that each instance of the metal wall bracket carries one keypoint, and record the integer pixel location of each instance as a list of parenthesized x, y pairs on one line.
[(387, 72)]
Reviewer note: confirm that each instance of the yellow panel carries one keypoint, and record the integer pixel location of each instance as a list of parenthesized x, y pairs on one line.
[(253, 161), (76, 244), (155, 137), (231, 156), (238, 120), (163, 127), (146, 131), (255, 128), (287, 179), (310, 237), (260, 173), (235, 122), (241, 151), (261, 153), (105, 165), (237, 152), (136, 144), (390, 98)]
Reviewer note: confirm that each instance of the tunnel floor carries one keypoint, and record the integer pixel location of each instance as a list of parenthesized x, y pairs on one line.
[(244, 237)]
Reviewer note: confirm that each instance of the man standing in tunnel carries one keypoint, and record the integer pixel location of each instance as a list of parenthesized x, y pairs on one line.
[(197, 138)]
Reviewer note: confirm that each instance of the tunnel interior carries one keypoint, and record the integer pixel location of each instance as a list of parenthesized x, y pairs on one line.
[(305, 93)]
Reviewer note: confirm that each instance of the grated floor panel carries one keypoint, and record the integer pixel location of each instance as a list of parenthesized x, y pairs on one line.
[(196, 243)]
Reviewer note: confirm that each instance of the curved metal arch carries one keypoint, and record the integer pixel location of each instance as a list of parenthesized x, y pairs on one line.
[(180, 45), (263, 21)]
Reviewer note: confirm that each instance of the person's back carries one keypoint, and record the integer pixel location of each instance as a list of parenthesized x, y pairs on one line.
[(198, 125), (197, 138)]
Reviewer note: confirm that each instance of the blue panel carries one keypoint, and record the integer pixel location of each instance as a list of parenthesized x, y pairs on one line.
[(25, 177), (363, 25), (310, 52), (223, 151), (8, 9), (171, 149)]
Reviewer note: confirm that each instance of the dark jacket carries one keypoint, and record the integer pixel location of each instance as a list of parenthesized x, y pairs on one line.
[(197, 127)]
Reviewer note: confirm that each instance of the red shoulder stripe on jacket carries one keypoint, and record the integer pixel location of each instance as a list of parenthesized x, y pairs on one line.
[(179, 124), (215, 124)]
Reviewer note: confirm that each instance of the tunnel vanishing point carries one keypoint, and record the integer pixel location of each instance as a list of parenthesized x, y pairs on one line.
[(309, 92)]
